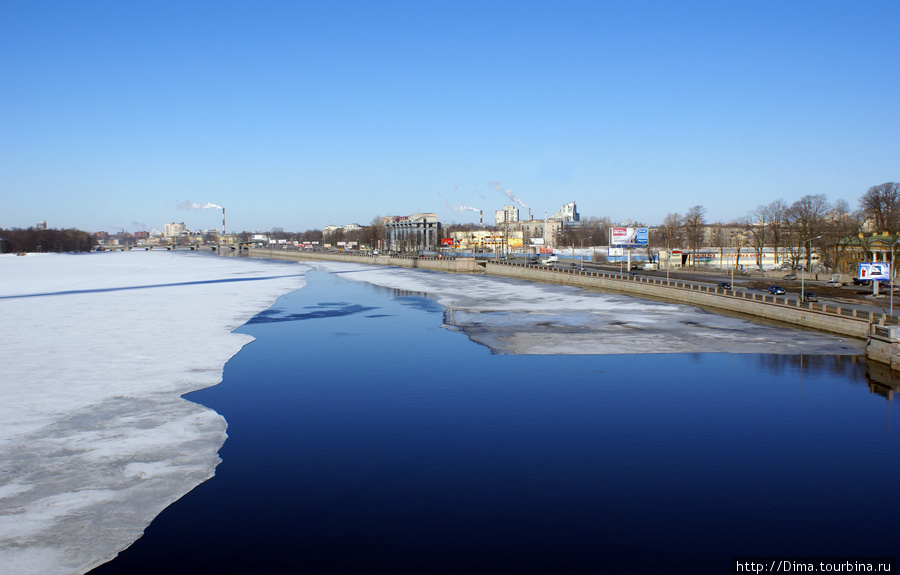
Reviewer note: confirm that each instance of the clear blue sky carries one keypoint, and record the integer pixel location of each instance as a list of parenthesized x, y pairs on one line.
[(304, 114)]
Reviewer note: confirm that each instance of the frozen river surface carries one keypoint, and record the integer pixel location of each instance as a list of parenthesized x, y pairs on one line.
[(96, 351)]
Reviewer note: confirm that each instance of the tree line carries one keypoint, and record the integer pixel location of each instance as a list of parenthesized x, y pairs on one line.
[(839, 234), (17, 240)]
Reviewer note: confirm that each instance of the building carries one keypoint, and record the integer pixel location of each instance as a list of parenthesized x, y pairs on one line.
[(567, 213), (507, 214), (329, 230), (174, 230), (412, 233), (488, 241)]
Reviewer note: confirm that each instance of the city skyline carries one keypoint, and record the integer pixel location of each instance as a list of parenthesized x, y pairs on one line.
[(301, 115)]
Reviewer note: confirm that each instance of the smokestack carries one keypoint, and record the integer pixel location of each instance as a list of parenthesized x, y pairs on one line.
[(223, 223), (480, 219), (529, 214)]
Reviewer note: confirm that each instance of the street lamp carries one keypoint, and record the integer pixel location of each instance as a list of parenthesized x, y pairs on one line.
[(668, 257), (802, 275), (582, 254), (892, 276)]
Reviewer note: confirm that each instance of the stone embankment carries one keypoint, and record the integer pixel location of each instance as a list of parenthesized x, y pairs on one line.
[(822, 317)]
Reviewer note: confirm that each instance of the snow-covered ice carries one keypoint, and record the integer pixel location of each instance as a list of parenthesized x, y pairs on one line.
[(518, 317), (95, 351)]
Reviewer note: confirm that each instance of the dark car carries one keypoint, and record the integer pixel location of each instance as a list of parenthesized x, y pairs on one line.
[(776, 290), (790, 277), (635, 266), (809, 296), (725, 285)]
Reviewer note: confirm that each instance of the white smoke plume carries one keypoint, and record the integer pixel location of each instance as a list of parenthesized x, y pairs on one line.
[(466, 209), (508, 193), (187, 205)]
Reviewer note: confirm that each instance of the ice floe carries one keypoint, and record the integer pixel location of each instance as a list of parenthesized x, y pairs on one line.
[(518, 317), (95, 351)]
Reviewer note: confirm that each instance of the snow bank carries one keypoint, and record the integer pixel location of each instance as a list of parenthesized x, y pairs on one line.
[(518, 317), (95, 350)]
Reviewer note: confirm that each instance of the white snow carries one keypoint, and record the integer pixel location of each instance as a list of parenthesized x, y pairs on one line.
[(518, 317), (95, 439)]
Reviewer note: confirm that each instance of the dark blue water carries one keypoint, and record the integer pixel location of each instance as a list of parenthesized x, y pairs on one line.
[(365, 438)]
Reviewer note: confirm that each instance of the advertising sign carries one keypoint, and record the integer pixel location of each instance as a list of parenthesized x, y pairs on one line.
[(616, 252), (446, 241), (874, 271), (628, 236), (536, 241)]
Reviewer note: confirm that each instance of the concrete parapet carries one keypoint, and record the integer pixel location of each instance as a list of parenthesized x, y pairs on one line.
[(883, 345)]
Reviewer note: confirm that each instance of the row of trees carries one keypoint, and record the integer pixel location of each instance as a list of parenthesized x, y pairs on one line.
[(17, 240), (839, 234)]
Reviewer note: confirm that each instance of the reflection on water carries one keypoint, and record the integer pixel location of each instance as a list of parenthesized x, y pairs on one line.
[(882, 380), (320, 310), (407, 448)]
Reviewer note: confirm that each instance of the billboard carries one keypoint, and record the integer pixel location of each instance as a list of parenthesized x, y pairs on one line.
[(446, 241), (628, 236), (874, 271)]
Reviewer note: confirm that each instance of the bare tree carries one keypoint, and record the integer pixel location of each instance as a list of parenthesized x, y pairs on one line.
[(807, 221), (881, 204), (841, 228), (693, 227), (756, 226), (671, 228), (375, 232), (778, 217)]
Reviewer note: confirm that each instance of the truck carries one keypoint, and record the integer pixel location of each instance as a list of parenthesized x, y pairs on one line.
[(838, 280), (549, 260)]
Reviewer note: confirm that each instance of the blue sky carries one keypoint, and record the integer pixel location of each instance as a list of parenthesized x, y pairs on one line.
[(304, 114)]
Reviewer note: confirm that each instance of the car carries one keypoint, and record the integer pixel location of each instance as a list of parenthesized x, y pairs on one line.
[(725, 285), (790, 277), (809, 296), (635, 267), (776, 290)]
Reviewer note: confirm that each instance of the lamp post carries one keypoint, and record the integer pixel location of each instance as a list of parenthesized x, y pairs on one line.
[(802, 270), (892, 276), (582, 254)]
